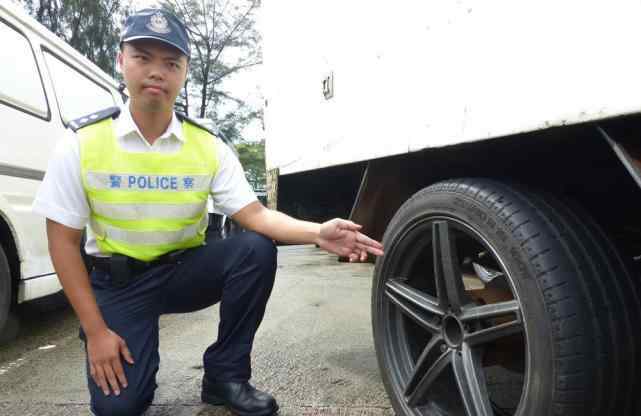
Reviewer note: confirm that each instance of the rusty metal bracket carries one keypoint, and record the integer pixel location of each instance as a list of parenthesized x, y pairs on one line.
[(627, 154)]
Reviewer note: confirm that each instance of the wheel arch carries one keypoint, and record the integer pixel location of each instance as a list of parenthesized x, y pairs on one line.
[(570, 161)]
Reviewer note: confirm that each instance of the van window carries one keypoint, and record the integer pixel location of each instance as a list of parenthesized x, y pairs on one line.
[(77, 95), (20, 83)]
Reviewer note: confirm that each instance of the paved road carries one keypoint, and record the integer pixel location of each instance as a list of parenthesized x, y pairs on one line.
[(313, 352)]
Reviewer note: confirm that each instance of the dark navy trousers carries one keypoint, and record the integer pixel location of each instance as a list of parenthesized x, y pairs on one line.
[(238, 272)]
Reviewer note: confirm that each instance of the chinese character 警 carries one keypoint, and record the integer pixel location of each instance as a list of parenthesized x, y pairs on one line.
[(114, 181)]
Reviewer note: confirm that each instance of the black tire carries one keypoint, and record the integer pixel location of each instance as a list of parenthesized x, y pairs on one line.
[(7, 321), (11, 329), (559, 305)]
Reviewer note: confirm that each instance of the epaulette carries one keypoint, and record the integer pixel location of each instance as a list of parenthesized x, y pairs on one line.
[(182, 117), (81, 122)]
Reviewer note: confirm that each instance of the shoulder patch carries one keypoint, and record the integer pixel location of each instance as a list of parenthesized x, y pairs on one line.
[(92, 118), (182, 117)]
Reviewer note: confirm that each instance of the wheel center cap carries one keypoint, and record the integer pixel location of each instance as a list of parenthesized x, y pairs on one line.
[(453, 331)]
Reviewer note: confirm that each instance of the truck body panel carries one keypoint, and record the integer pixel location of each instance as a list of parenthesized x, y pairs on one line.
[(414, 75)]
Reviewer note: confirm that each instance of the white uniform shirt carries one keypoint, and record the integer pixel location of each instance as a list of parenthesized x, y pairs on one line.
[(61, 196)]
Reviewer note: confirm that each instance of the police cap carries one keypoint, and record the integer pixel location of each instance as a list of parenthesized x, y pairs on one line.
[(156, 24)]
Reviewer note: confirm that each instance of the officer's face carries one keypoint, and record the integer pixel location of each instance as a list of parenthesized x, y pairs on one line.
[(154, 73)]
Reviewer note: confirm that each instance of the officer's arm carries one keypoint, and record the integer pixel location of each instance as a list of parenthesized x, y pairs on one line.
[(276, 225), (64, 247), (337, 236), (104, 347)]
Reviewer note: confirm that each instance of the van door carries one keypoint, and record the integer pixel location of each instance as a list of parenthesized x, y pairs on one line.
[(27, 130)]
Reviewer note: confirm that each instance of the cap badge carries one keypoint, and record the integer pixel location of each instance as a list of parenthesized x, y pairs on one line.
[(158, 24)]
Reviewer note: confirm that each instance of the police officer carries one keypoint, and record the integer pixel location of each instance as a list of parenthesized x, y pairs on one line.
[(139, 177)]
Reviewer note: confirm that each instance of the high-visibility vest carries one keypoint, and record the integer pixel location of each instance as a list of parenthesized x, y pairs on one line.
[(144, 205)]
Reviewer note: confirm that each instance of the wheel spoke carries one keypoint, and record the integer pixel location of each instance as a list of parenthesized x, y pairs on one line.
[(418, 394), (494, 332), (490, 311), (429, 322), (449, 281), (470, 378), (424, 302), (423, 363)]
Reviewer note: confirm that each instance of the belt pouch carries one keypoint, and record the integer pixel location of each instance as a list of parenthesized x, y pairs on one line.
[(120, 270)]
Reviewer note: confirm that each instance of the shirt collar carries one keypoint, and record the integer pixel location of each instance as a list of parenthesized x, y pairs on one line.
[(126, 126)]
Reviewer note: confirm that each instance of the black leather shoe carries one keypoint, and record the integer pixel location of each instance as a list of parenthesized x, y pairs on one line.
[(240, 398)]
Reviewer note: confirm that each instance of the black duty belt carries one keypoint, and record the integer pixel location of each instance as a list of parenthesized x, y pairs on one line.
[(124, 269)]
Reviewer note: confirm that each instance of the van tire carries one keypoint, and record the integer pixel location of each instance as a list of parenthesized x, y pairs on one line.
[(6, 293), (579, 329), (10, 330)]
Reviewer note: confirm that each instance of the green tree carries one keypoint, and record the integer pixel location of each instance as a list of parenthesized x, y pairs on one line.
[(233, 123), (224, 41), (252, 157), (92, 27)]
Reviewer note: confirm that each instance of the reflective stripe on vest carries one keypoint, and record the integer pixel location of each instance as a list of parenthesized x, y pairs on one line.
[(148, 237), (134, 212), (144, 205)]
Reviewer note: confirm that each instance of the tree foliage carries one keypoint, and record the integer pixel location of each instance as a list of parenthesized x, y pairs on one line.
[(92, 27), (223, 36), (224, 41), (252, 157)]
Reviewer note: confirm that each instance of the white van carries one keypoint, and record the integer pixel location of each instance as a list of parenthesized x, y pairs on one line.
[(44, 84)]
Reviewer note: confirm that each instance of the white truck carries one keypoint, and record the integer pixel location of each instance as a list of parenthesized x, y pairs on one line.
[(44, 84), (494, 148)]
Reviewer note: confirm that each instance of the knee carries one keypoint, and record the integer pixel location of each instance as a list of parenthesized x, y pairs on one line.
[(119, 405), (263, 251)]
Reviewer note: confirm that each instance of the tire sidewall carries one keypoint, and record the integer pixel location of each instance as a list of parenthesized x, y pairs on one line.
[(5, 290), (537, 398)]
